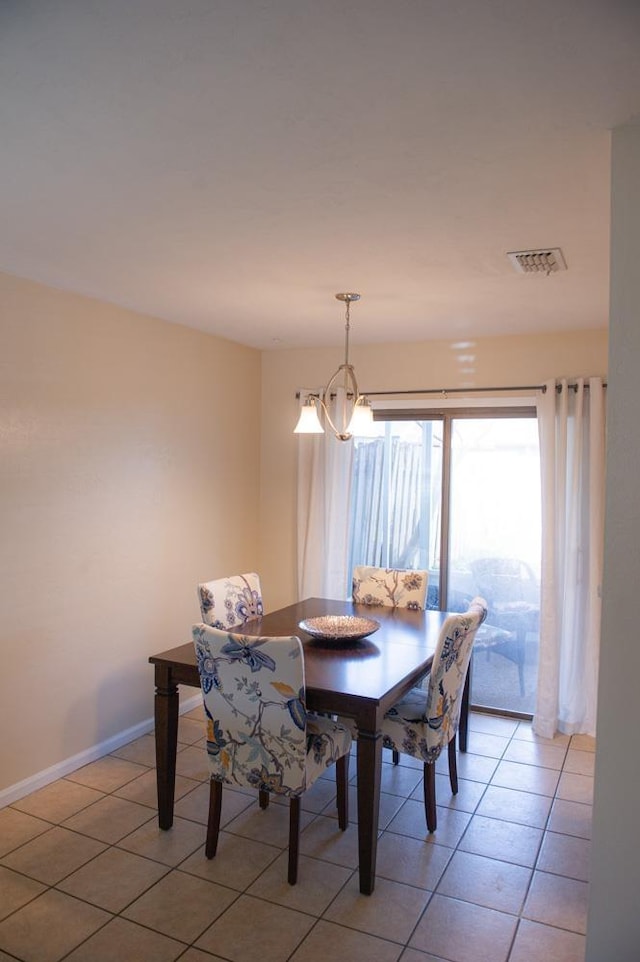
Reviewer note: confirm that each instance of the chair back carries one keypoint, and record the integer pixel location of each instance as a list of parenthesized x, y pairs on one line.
[(448, 674), (229, 602), (254, 701), (505, 580), (390, 587)]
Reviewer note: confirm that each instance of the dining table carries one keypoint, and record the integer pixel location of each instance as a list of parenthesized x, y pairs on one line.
[(358, 678)]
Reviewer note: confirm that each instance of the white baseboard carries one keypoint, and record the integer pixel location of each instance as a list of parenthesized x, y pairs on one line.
[(40, 779)]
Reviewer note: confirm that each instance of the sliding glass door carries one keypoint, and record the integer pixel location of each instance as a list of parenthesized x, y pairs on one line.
[(458, 493)]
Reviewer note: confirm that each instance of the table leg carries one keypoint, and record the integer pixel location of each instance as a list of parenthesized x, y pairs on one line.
[(369, 774), (166, 725)]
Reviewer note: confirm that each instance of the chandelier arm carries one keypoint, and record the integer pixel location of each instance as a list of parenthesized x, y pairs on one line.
[(349, 376)]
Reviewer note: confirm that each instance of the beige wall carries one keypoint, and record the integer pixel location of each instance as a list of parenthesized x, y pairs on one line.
[(133, 465), (499, 361), (129, 471)]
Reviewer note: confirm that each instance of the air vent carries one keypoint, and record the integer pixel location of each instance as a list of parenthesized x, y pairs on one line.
[(546, 261)]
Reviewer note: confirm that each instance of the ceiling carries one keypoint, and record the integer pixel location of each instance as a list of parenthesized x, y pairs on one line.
[(232, 164)]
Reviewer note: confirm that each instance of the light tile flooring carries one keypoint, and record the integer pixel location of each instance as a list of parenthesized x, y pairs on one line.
[(86, 875)]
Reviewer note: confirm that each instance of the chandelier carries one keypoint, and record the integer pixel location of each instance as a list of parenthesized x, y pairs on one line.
[(354, 414)]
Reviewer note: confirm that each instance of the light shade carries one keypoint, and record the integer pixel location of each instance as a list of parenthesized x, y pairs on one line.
[(362, 417), (308, 422)]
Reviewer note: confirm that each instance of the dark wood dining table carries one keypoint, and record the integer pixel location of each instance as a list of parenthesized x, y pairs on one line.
[(360, 679)]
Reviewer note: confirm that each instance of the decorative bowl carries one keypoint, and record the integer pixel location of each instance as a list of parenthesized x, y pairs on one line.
[(339, 627)]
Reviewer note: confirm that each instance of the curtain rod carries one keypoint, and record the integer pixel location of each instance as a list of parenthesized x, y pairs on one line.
[(458, 390), (572, 385), (471, 390)]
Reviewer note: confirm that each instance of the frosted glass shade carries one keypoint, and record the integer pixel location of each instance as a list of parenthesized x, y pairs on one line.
[(309, 422), (361, 418)]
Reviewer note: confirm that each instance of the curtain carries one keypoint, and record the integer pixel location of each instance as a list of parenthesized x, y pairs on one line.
[(571, 420), (324, 485)]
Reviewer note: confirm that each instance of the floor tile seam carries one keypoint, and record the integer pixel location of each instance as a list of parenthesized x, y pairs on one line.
[(547, 768), (528, 892), (86, 939), (112, 794), (480, 905), (419, 838), (23, 905), (186, 942), (52, 888), (42, 818), (265, 901), (410, 885), (541, 871), (513, 939), (483, 905), (95, 905), (295, 948), (265, 898), (547, 871), (120, 912), (524, 898), (108, 922), (20, 845), (31, 878), (194, 874), (560, 928), (108, 791), (107, 845), (552, 925), (95, 838), (250, 838), (150, 858), (352, 928), (496, 858)]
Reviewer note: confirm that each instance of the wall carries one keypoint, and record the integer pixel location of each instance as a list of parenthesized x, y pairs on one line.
[(128, 473), (614, 921), (498, 361)]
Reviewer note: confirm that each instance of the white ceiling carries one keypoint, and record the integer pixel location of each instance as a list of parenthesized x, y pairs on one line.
[(231, 164)]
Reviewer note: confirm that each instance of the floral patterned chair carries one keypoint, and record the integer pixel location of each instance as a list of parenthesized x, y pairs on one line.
[(423, 722), (259, 732), (229, 602), (391, 587)]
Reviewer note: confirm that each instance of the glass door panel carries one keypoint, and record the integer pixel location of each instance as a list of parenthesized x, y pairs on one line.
[(396, 498), (494, 551)]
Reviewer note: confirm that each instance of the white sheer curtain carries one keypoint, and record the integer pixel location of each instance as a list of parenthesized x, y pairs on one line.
[(572, 454), (324, 486)]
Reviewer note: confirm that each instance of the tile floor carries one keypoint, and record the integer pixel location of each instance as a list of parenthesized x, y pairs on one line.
[(86, 875)]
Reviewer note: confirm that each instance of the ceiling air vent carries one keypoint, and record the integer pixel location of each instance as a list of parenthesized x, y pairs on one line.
[(546, 261)]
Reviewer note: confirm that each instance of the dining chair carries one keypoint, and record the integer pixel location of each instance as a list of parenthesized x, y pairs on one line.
[(512, 591), (423, 722), (229, 602), (390, 587), (259, 733)]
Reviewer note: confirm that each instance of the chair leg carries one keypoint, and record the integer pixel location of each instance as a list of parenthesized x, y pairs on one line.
[(429, 781), (463, 725), (396, 756), (263, 798), (342, 787), (213, 822), (521, 643), (453, 765), (294, 837)]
